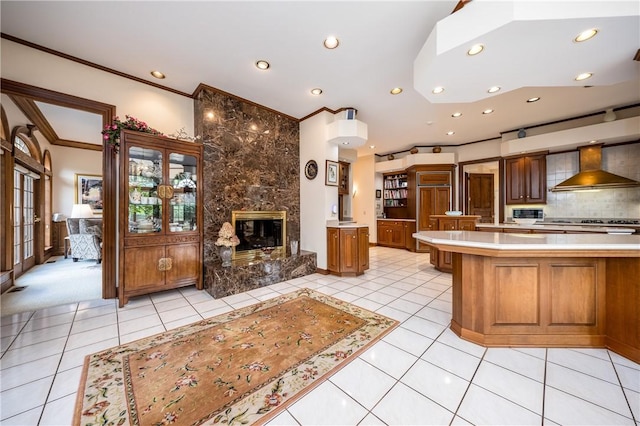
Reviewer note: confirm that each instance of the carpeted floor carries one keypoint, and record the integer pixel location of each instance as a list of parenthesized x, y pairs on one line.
[(237, 368), (52, 284)]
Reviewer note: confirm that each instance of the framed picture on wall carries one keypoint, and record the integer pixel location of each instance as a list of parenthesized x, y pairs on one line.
[(331, 173), (89, 191), (378, 193)]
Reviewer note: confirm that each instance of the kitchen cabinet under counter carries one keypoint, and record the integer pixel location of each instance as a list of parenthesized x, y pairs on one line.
[(396, 233), (347, 249), (549, 290)]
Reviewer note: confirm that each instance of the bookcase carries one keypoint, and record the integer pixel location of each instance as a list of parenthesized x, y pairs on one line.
[(395, 195)]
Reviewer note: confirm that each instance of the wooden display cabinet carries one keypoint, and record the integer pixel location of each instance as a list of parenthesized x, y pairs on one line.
[(526, 179), (348, 250), (160, 216)]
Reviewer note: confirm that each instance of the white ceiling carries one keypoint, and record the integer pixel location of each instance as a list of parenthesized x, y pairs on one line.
[(217, 43)]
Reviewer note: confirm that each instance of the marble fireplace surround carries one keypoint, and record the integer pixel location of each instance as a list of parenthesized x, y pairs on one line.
[(251, 161)]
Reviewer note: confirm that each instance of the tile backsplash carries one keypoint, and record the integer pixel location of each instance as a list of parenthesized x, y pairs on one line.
[(623, 160)]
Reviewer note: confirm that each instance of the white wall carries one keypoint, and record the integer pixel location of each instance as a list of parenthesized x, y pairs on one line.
[(316, 199), (161, 109), (364, 200)]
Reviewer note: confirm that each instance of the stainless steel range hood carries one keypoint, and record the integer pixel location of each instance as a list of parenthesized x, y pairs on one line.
[(591, 175)]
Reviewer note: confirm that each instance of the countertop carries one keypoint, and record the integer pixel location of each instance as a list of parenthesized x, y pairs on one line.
[(547, 242), (348, 224), (396, 220), (575, 227)]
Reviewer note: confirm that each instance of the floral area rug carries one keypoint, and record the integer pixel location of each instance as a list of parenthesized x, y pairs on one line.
[(237, 368)]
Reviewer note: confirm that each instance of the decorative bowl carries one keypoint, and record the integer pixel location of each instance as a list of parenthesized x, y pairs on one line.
[(525, 221), (453, 213)]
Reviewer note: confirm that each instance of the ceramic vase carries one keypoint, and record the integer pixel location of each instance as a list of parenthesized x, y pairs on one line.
[(225, 255)]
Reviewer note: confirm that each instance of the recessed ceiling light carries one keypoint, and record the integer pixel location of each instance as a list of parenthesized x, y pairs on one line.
[(437, 90), (456, 114), (583, 76), (396, 90), (331, 42), (372, 146), (450, 132), (534, 99), (345, 143), (475, 49), (487, 111), (262, 65), (157, 74), (586, 35), (317, 91), (493, 89)]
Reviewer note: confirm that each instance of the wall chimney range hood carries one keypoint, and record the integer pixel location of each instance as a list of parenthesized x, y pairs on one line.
[(591, 175)]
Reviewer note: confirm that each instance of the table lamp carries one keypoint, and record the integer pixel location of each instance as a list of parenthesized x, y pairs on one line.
[(81, 210)]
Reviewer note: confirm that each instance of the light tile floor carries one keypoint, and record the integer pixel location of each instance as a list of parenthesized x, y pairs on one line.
[(421, 373)]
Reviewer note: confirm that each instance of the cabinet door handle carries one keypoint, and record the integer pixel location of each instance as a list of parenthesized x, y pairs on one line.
[(164, 264)]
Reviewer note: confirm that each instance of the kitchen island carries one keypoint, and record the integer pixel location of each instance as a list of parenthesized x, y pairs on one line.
[(545, 290)]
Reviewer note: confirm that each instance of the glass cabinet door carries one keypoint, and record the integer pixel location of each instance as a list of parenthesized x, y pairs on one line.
[(182, 206), (145, 177)]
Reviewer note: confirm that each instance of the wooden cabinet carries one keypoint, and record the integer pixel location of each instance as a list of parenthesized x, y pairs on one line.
[(333, 249), (391, 233), (58, 234), (160, 214), (343, 178), (363, 249), (526, 179), (347, 250), (397, 234), (409, 230), (443, 260), (432, 200)]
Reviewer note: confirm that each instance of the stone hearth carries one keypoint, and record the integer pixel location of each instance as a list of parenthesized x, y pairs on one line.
[(244, 275)]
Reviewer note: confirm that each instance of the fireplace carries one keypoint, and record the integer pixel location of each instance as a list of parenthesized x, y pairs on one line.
[(257, 230)]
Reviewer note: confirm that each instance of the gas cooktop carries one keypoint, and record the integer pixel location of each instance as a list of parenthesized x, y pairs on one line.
[(612, 221)]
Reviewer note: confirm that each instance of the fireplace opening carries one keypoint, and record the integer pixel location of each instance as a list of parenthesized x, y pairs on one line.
[(257, 230)]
